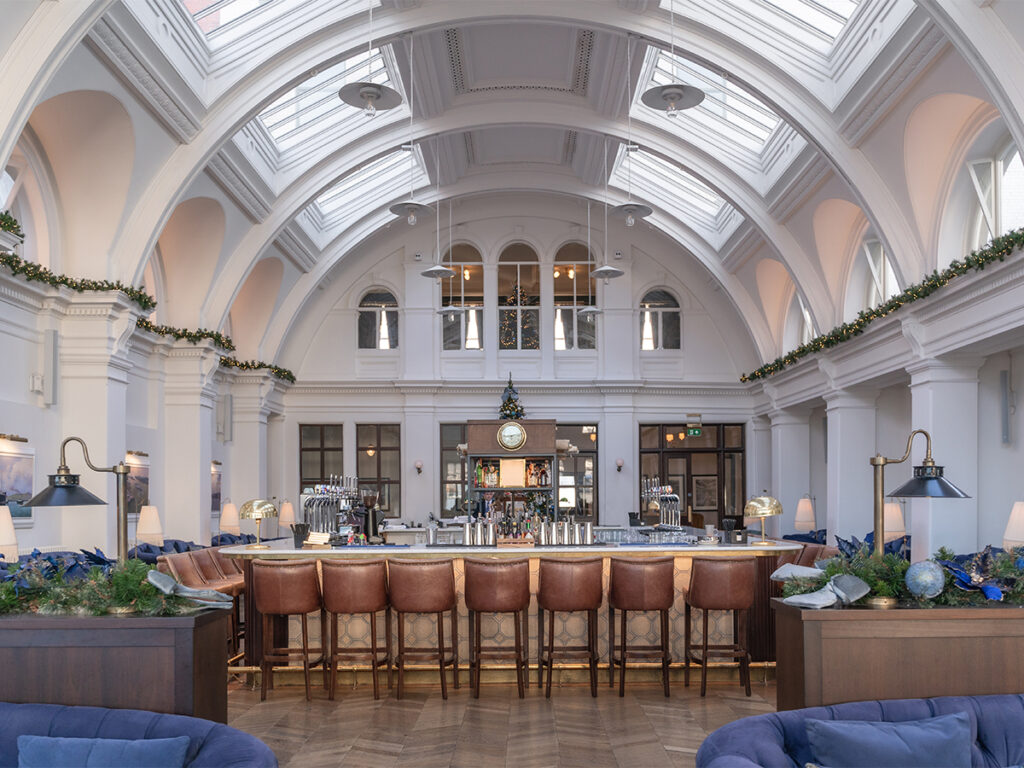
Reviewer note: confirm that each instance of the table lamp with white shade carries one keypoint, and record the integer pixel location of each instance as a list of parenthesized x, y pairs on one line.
[(1013, 536), (148, 528), (8, 539), (286, 516), (229, 522), (804, 515), (895, 528)]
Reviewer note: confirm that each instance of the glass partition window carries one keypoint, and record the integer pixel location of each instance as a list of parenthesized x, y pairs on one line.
[(379, 463), (574, 289), (320, 453), (518, 298), (378, 321), (463, 297), (453, 471), (659, 321), (577, 475)]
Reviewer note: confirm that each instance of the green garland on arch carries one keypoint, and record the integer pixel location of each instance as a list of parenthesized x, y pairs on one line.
[(183, 334), (39, 274), (997, 250), (255, 365), (10, 224)]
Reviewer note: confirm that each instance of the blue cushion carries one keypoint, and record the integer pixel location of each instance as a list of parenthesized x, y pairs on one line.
[(60, 752), (944, 740)]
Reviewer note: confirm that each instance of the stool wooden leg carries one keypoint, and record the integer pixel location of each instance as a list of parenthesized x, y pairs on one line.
[(305, 655), (665, 658), (525, 618), (540, 646), (686, 645), (519, 658), (611, 646), (472, 650), (389, 648), (323, 644), (704, 655), (440, 654), (475, 663), (400, 659), (551, 651), (266, 669), (741, 642), (373, 650), (622, 656), (592, 647), (333, 659), (455, 647)]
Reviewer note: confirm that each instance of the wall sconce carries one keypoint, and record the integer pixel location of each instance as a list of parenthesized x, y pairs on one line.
[(370, 451), (619, 464), (13, 438), (419, 467), (143, 454)]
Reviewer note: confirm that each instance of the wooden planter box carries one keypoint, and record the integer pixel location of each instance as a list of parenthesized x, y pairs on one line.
[(855, 654), (176, 664)]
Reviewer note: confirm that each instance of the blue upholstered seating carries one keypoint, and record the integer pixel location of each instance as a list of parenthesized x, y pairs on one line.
[(779, 740), (212, 745)]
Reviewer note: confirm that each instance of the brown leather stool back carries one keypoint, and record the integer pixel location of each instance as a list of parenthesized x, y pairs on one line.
[(722, 583), (207, 565), (285, 587), (498, 586), (642, 585), (421, 586), (184, 569), (809, 554), (355, 586), (570, 585), (229, 566)]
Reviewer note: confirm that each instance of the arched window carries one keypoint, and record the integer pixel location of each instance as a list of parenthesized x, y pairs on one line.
[(463, 297), (998, 184), (378, 321), (518, 298), (574, 291), (881, 283), (659, 321)]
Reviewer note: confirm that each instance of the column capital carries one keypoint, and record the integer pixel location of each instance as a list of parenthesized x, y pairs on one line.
[(257, 395), (851, 397), (790, 416), (948, 370), (190, 370), (95, 333)]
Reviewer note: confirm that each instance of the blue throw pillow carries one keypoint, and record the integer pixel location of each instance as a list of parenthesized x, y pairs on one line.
[(61, 752), (937, 741)]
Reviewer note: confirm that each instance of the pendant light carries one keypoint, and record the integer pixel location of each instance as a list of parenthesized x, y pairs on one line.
[(673, 97), (411, 209), (371, 97), (630, 211), (591, 309), (439, 270), (606, 270)]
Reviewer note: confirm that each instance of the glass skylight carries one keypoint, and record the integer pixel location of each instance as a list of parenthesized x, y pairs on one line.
[(211, 15), (313, 105), (826, 17)]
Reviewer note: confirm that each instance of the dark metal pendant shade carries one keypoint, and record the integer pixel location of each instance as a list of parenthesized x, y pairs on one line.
[(64, 490), (928, 482)]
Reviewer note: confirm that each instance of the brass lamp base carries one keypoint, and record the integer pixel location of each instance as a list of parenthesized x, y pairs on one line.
[(762, 543), (257, 546), (879, 602)]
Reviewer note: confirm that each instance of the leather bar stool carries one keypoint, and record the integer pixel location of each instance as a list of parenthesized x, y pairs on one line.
[(569, 586), (425, 586), (639, 585), (720, 584), (233, 585), (287, 588), (350, 588), (498, 586)]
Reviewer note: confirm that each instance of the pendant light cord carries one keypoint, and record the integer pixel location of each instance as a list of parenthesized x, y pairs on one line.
[(412, 109), (369, 45), (629, 120), (437, 175)]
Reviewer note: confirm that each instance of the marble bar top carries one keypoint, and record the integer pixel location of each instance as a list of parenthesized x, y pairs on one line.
[(282, 550)]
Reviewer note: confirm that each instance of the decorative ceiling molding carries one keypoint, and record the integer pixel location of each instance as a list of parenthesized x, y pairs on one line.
[(294, 243), (804, 175), (236, 176), (741, 246)]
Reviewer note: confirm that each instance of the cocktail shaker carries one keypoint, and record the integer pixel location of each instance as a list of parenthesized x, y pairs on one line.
[(545, 534), (492, 535), (479, 536), (577, 534), (467, 534), (563, 533), (588, 533)]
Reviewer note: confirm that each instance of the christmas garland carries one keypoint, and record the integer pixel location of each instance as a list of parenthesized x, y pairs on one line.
[(997, 250), (255, 365), (37, 273), (192, 337), (10, 224)]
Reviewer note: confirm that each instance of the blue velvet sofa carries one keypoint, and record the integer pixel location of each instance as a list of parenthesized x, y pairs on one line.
[(212, 745), (779, 740)]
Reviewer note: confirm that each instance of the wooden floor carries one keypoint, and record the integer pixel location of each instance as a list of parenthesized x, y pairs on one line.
[(498, 729)]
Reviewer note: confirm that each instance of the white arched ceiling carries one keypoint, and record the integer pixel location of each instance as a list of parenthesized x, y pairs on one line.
[(255, 302), (775, 289), (190, 247), (836, 224), (937, 134), (89, 145)]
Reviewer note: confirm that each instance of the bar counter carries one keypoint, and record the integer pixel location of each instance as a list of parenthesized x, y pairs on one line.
[(642, 628)]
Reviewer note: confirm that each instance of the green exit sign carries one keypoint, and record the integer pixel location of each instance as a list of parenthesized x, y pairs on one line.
[(694, 431)]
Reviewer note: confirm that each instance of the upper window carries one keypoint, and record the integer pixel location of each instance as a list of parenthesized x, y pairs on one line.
[(659, 321), (378, 321), (575, 328), (882, 282), (462, 299), (518, 298), (999, 186)]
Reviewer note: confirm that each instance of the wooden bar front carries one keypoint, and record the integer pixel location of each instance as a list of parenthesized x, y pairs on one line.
[(857, 654)]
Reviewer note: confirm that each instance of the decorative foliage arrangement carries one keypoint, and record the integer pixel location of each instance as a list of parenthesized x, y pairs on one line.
[(997, 250), (87, 586), (192, 337), (39, 274), (10, 224), (255, 365), (511, 408)]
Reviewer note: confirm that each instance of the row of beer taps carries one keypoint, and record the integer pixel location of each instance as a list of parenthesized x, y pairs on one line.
[(330, 502)]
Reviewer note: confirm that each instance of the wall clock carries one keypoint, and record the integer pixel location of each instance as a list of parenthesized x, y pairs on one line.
[(511, 435)]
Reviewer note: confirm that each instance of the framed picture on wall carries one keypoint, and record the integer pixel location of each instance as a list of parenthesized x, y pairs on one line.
[(16, 467), (705, 492), (138, 483)]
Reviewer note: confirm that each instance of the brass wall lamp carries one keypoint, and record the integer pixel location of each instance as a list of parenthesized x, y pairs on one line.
[(927, 482), (64, 490)]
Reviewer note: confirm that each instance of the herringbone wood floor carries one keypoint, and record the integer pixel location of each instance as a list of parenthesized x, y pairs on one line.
[(644, 729)]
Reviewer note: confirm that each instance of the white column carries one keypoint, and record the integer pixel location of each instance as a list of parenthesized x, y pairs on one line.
[(420, 491), (791, 465), (256, 395), (944, 401), (618, 438), (758, 457), (851, 444)]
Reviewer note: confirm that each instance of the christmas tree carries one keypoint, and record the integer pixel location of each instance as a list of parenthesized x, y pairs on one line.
[(511, 408)]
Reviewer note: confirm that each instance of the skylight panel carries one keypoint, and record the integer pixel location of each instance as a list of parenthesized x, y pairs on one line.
[(827, 17), (662, 180), (211, 15), (313, 105), (376, 182)]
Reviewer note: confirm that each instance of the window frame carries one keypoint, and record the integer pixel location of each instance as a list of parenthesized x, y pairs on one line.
[(518, 308), (443, 481), (378, 311), (658, 312), (463, 310), (306, 482), (377, 483), (573, 345)]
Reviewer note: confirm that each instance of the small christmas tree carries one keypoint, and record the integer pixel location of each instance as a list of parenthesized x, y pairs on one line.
[(511, 408)]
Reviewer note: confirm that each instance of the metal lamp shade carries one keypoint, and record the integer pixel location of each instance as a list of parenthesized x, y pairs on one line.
[(257, 509), (64, 490), (928, 482), (762, 507)]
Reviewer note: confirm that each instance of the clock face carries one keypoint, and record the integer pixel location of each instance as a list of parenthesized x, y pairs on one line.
[(511, 435)]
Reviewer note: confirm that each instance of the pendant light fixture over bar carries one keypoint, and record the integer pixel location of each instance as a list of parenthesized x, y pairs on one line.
[(439, 270), (630, 211), (411, 209), (591, 310), (672, 97), (606, 270), (371, 97)]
